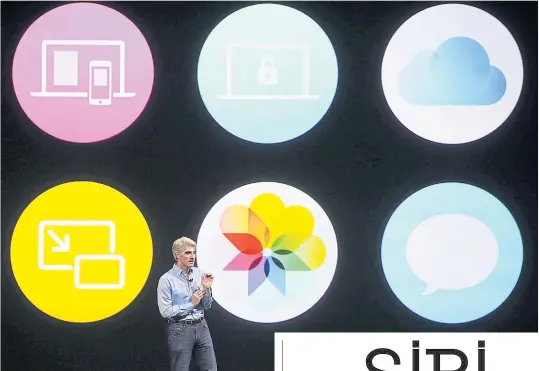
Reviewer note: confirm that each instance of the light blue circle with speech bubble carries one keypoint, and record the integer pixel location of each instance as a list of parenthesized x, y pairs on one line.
[(267, 73), (443, 305)]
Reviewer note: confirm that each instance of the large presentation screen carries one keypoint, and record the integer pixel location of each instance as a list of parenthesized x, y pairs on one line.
[(340, 167)]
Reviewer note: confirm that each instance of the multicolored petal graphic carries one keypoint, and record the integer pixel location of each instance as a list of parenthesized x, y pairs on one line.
[(271, 239)]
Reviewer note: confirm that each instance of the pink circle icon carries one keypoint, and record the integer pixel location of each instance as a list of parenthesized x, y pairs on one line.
[(83, 72)]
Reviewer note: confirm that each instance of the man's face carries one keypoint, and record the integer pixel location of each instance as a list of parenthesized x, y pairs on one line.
[(187, 257)]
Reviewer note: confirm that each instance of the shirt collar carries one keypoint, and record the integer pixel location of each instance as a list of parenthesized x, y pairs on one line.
[(178, 272)]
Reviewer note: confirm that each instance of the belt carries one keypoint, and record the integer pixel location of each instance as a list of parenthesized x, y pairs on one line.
[(188, 321)]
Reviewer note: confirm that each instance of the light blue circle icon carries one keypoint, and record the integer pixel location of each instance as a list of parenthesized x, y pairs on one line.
[(267, 73), (452, 253)]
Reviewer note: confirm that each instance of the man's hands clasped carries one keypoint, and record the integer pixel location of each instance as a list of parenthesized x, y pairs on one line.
[(207, 281), (197, 297)]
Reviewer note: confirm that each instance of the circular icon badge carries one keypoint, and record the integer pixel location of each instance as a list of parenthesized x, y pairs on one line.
[(267, 73), (452, 73), (83, 72), (452, 253), (81, 252), (272, 250)]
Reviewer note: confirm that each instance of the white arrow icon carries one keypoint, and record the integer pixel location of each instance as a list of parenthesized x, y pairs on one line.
[(63, 245)]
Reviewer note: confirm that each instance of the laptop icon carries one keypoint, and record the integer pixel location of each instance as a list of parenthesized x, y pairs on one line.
[(268, 72), (70, 69)]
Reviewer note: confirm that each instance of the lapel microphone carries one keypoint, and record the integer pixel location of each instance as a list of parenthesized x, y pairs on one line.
[(190, 271)]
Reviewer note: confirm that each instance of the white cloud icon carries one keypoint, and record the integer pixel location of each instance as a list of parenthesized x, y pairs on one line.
[(451, 252)]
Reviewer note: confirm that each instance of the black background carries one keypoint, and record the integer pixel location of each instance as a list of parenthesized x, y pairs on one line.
[(175, 162)]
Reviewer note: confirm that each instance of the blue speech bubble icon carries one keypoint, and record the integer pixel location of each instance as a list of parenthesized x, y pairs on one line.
[(452, 253)]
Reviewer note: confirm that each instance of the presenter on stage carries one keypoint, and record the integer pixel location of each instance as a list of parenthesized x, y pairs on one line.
[(183, 294)]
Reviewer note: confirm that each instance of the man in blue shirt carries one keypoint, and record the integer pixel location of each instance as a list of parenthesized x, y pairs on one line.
[(183, 294)]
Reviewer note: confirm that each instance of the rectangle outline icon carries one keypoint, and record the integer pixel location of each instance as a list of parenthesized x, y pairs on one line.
[(93, 286), (73, 223), (306, 64)]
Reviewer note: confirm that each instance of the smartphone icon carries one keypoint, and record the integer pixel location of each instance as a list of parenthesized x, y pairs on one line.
[(100, 86)]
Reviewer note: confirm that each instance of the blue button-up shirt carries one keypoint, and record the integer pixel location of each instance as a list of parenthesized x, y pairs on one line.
[(175, 291)]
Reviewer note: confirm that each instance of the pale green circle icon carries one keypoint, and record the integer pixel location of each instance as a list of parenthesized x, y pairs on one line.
[(267, 73)]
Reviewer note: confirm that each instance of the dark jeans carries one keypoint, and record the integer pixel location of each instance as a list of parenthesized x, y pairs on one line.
[(190, 341)]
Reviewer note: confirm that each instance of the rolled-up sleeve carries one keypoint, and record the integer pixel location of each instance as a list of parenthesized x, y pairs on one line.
[(207, 300)]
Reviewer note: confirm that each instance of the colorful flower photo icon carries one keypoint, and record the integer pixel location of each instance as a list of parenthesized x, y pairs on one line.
[(272, 250), (271, 240)]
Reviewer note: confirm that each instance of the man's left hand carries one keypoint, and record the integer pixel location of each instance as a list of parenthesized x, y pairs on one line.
[(207, 280)]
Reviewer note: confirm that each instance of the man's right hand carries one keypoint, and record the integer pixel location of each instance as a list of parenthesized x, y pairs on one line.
[(197, 297)]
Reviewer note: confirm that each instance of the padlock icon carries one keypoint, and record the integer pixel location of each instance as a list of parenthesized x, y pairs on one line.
[(267, 72)]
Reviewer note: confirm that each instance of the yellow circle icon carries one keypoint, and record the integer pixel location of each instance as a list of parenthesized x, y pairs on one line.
[(81, 252)]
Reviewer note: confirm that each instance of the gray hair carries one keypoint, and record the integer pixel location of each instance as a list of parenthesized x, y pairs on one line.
[(180, 244)]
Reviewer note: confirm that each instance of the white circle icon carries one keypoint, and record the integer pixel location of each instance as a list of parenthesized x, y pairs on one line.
[(452, 74), (272, 251), (452, 253), (267, 73)]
